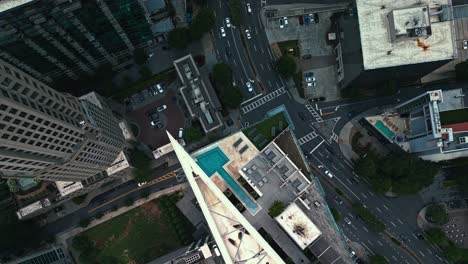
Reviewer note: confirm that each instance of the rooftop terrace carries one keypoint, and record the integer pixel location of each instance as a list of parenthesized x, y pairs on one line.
[(395, 33)]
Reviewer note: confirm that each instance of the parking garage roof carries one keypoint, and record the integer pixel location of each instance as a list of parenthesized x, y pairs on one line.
[(381, 20)]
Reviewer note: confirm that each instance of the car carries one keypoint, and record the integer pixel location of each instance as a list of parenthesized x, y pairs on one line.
[(317, 204), (307, 57), (311, 84), (465, 44), (352, 254), (285, 21), (310, 79), (308, 74), (316, 18), (249, 9), (301, 20), (329, 174), (337, 200), (311, 17), (320, 166), (181, 133), (228, 52), (347, 221), (247, 33), (156, 123), (162, 108), (223, 33), (154, 89), (150, 55), (281, 22), (302, 116), (141, 184), (318, 99), (159, 87), (306, 20), (216, 250), (249, 86), (149, 92), (228, 22)]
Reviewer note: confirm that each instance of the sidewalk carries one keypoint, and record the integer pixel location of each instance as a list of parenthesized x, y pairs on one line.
[(65, 236)]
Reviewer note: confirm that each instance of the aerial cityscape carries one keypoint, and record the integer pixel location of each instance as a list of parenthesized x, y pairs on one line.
[(233, 131)]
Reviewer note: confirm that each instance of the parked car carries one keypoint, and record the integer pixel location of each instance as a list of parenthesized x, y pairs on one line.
[(316, 18), (329, 174), (337, 200), (281, 22), (228, 52), (306, 20), (308, 74), (249, 86), (317, 204), (301, 20), (249, 9), (311, 17), (247, 33), (162, 108), (465, 44), (307, 57), (310, 79), (311, 84), (285, 21), (223, 33), (346, 219), (141, 183), (228, 22), (181, 133), (159, 87)]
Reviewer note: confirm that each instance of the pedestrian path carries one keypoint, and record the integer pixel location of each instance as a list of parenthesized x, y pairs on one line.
[(307, 138), (262, 100), (314, 113)]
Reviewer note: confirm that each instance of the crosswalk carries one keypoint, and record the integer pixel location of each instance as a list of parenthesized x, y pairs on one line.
[(314, 113), (262, 100), (333, 137), (307, 138)]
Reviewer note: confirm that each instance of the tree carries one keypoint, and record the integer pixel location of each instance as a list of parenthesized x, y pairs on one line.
[(201, 2), (235, 7), (377, 259), (461, 70), (374, 223), (222, 75), (129, 201), (179, 38), (202, 23), (276, 208), (15, 235), (84, 222), (140, 56), (437, 213), (286, 66), (141, 163), (336, 214), (82, 243), (437, 236), (78, 200), (110, 260), (231, 97), (13, 185), (193, 133), (145, 72)]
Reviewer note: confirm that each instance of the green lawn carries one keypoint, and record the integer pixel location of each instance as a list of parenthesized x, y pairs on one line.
[(137, 236), (454, 116), (264, 129), (286, 45)]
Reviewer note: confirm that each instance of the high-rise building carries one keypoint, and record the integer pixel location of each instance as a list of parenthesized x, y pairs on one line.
[(52, 39), (47, 135)]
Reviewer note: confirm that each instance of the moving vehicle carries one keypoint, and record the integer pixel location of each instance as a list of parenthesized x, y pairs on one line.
[(141, 184), (247, 33), (162, 108), (223, 33), (329, 174), (228, 52), (228, 22), (249, 9), (249, 86)]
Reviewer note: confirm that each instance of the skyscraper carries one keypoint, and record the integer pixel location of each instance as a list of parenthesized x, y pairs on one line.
[(52, 39), (53, 136)]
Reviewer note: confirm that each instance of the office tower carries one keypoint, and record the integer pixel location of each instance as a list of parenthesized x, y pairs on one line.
[(64, 39), (53, 136)]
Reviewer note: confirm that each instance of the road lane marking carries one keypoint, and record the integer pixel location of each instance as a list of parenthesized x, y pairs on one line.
[(217, 52), (225, 56), (398, 219), (320, 153), (235, 63), (430, 252), (365, 228), (393, 224), (262, 50), (316, 147), (370, 242), (334, 167), (269, 83), (371, 194), (380, 243), (422, 253), (378, 209), (394, 257), (271, 56), (255, 48), (363, 195), (228, 43), (385, 206), (220, 6), (261, 66), (364, 244)]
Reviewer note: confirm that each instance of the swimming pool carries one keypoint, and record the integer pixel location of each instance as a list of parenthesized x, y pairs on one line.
[(213, 161), (382, 127)]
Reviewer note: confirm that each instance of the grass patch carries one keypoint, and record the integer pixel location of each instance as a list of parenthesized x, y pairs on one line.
[(454, 116), (263, 129), (290, 44), (136, 236), (450, 184), (360, 151), (298, 82)]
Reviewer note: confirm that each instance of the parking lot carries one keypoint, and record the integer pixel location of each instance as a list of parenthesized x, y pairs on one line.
[(171, 118), (457, 228), (309, 27)]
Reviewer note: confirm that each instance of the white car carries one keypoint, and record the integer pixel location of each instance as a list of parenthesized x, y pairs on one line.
[(317, 204), (162, 108), (181, 133), (247, 33), (329, 174), (249, 86), (281, 23), (159, 87), (249, 9), (310, 79), (311, 84), (285, 21), (141, 184), (223, 33), (228, 22), (465, 44), (346, 219)]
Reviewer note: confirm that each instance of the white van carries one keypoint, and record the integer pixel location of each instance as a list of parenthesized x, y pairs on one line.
[(181, 133)]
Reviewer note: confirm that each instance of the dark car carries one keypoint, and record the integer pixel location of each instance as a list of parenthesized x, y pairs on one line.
[(301, 20), (307, 57), (316, 17), (306, 19), (228, 52), (308, 74), (302, 116)]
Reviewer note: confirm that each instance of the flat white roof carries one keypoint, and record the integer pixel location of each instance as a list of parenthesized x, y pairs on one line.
[(67, 187), (377, 49), (9, 4), (31, 208), (119, 164), (298, 226)]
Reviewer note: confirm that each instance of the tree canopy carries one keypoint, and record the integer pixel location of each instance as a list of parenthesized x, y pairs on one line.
[(141, 163), (230, 95), (276, 208), (222, 74), (461, 70), (286, 66), (437, 213), (374, 223), (179, 38), (140, 56), (235, 8), (404, 173), (377, 259), (202, 23), (193, 133)]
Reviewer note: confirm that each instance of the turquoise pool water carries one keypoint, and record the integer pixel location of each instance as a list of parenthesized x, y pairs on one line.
[(213, 161), (382, 127)]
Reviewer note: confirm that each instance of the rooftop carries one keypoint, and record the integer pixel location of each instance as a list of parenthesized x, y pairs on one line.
[(298, 226), (66, 187), (119, 164), (395, 33), (5, 5), (198, 94)]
